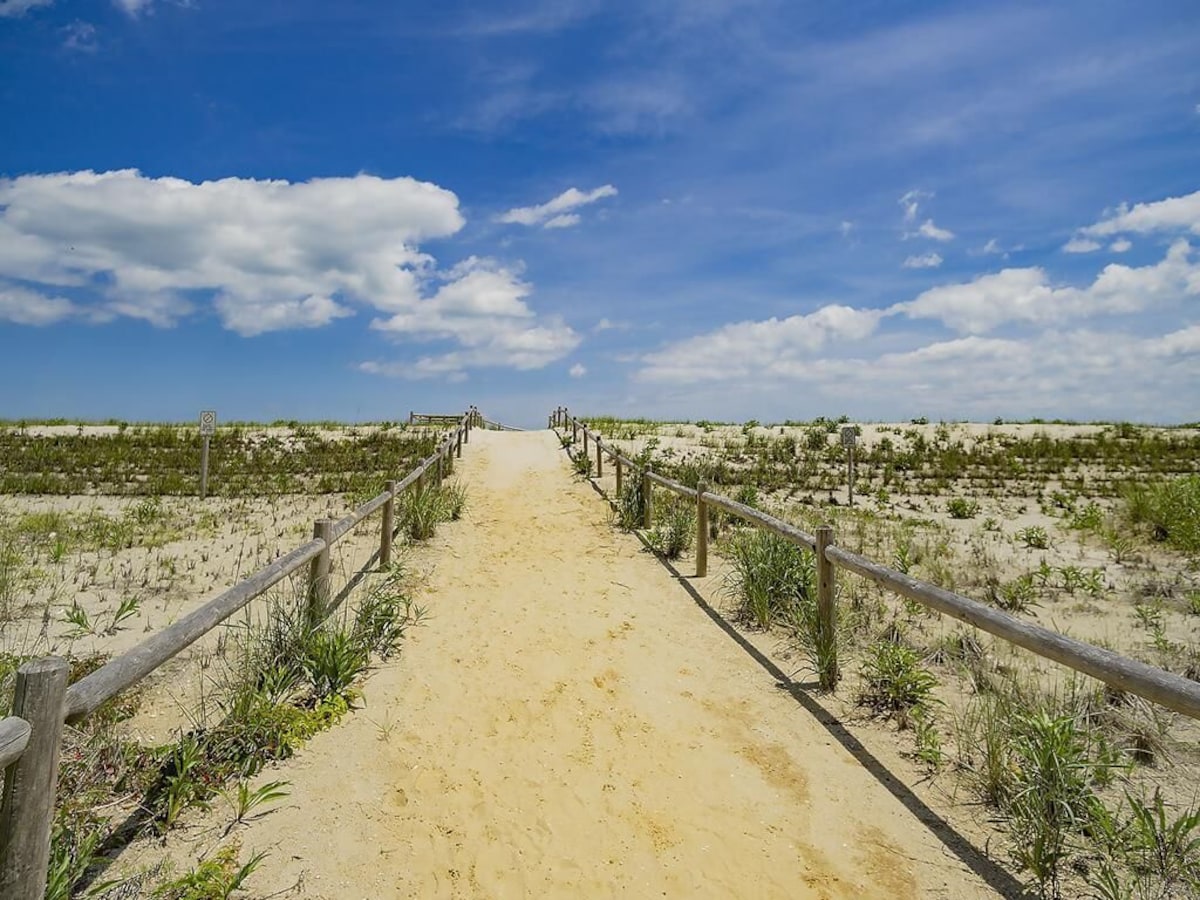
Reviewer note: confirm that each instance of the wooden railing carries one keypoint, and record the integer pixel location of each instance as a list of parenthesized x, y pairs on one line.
[(30, 738), (1164, 688)]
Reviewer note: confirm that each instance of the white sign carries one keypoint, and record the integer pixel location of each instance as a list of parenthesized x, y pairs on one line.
[(849, 435), (208, 422)]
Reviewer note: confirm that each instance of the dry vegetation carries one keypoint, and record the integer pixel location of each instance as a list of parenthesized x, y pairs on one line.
[(102, 542), (1092, 530)]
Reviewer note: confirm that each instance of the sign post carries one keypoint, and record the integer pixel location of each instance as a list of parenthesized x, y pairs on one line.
[(849, 439), (208, 427)]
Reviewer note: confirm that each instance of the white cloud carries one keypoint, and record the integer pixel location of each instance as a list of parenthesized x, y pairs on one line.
[(577, 371), (1026, 296), (80, 36), (845, 228), (133, 7), (266, 256), (1120, 245), (25, 307), (1080, 245), (924, 261), (744, 349), (563, 221), (992, 246), (911, 202), (607, 324), (1172, 214), (556, 213), (14, 8), (929, 230)]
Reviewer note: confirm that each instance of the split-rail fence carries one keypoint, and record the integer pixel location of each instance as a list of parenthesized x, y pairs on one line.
[(30, 738), (1174, 692)]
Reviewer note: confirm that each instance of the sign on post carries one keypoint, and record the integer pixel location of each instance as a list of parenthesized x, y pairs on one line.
[(208, 427), (849, 440)]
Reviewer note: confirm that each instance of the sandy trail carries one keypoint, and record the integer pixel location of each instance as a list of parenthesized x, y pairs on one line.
[(570, 723)]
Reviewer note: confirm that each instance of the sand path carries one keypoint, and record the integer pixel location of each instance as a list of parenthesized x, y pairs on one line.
[(570, 723)]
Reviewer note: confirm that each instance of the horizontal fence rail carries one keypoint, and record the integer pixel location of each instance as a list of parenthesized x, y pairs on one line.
[(30, 739), (1157, 685)]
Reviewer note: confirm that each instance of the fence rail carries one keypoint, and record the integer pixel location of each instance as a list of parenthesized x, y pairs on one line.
[(31, 737), (1157, 685)]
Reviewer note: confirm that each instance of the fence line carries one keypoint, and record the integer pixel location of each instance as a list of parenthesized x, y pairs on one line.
[(1157, 685), (30, 738)]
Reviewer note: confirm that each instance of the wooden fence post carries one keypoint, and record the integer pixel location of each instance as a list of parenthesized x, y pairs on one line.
[(826, 637), (585, 441), (574, 431), (647, 500), (701, 531), (458, 449), (27, 810), (599, 460), (619, 473), (318, 575), (388, 528), (467, 430), (439, 468)]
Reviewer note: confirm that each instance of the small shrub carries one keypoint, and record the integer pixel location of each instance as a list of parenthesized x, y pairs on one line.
[(893, 679), (675, 527), (769, 576), (962, 508), (1171, 509), (1034, 537)]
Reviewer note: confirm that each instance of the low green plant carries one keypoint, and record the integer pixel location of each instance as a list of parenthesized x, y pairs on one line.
[(1034, 537), (218, 877), (630, 503), (243, 801), (1170, 509), (962, 508), (1147, 854), (421, 511), (768, 577), (333, 659), (1051, 799), (675, 527), (582, 463), (893, 679)]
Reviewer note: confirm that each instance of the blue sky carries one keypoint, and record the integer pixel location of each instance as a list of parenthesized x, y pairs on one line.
[(692, 208)]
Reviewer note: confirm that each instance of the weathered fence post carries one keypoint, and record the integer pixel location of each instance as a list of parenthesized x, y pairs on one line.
[(467, 430), (388, 528), (438, 483), (27, 810), (827, 662), (585, 440), (647, 500), (574, 431), (458, 448), (318, 575), (619, 477), (599, 459), (701, 531)]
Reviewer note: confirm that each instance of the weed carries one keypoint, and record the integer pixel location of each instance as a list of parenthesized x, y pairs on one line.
[(1170, 508), (893, 679), (674, 528), (1034, 537), (216, 878), (769, 576), (333, 659), (1051, 799), (962, 508), (242, 800)]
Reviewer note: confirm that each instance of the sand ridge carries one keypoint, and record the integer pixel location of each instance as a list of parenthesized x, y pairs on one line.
[(570, 723)]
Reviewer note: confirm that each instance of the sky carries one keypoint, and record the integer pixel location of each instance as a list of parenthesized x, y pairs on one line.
[(721, 209)]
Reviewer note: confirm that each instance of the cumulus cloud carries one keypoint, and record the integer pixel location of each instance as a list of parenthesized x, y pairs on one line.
[(1081, 245), (577, 371), (931, 231), (743, 349), (843, 352), (923, 261), (264, 256), (14, 8), (1171, 214), (1025, 295), (1120, 245), (556, 213), (25, 307)]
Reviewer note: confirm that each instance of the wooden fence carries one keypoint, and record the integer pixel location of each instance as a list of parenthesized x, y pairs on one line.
[(1164, 688), (30, 738)]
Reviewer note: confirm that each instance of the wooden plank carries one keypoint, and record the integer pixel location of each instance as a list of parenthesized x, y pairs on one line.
[(1172, 691), (27, 809), (129, 668), (14, 736)]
